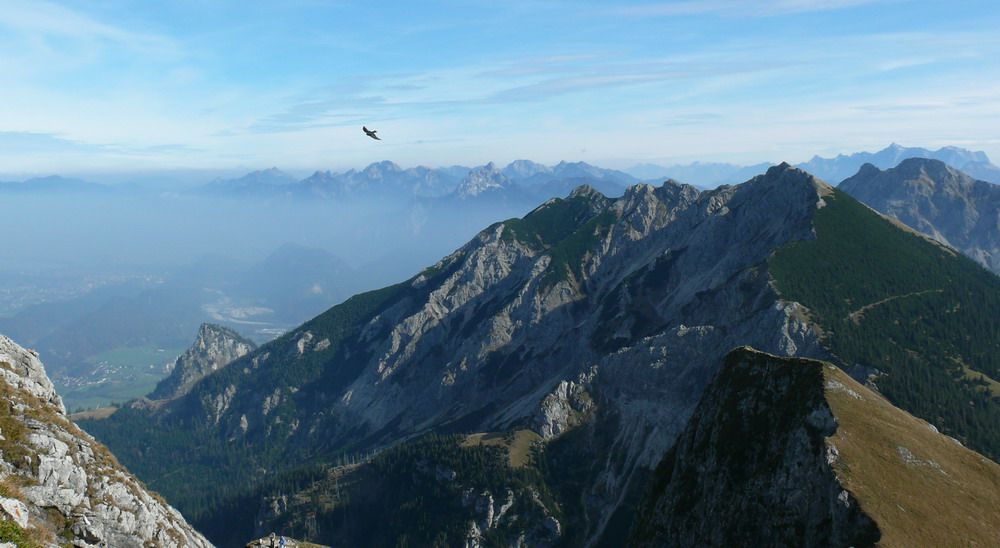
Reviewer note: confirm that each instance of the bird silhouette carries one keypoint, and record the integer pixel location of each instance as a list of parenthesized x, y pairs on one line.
[(371, 133)]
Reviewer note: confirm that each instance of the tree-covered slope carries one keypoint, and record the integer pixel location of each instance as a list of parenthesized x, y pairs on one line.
[(937, 200), (887, 299), (211, 469), (434, 491)]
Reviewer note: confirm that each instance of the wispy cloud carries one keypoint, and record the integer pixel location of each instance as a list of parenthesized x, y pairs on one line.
[(741, 8), (985, 103), (30, 143), (49, 19), (473, 90)]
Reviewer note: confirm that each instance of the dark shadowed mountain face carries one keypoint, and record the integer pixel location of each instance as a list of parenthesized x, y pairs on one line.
[(751, 468), (793, 452), (834, 170), (592, 325), (938, 200)]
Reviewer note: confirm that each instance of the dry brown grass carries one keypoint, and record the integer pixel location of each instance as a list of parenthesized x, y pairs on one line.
[(992, 385), (921, 487), (518, 444), (96, 414)]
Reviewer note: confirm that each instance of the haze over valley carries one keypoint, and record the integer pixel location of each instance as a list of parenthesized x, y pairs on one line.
[(499, 275), (266, 251)]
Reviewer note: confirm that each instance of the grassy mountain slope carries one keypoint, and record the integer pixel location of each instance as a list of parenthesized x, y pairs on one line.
[(890, 300), (794, 452), (920, 487)]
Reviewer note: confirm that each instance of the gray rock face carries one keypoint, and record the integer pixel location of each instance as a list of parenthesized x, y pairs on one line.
[(71, 487), (487, 180), (14, 510), (25, 372), (610, 314), (938, 200), (752, 468), (214, 348), (539, 528)]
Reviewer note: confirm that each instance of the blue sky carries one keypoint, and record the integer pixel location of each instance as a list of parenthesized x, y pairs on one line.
[(106, 85)]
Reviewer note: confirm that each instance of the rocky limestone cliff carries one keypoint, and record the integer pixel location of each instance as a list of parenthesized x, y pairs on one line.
[(794, 452), (609, 315), (937, 200), (214, 348), (66, 487)]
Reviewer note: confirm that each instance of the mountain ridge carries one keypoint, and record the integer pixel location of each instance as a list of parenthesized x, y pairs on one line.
[(790, 451), (506, 298), (595, 323), (938, 200), (837, 169), (215, 347)]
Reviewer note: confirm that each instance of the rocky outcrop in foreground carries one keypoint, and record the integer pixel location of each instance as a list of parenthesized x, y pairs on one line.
[(793, 452), (61, 487)]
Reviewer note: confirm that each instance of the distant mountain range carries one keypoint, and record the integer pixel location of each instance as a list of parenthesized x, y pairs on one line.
[(528, 384), (521, 181), (387, 180), (52, 184), (938, 200), (380, 181), (831, 170), (835, 170), (703, 175)]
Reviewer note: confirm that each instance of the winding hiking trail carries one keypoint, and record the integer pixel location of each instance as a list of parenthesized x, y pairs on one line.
[(859, 313)]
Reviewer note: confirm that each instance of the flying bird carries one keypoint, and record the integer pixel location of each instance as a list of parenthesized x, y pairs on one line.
[(371, 133)]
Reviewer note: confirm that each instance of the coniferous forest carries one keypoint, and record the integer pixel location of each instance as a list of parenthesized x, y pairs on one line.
[(913, 312)]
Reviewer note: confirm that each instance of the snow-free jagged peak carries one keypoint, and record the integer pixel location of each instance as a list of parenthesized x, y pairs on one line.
[(214, 348), (937, 200), (484, 179)]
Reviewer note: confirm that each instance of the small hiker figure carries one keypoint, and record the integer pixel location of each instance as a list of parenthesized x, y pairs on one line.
[(272, 540), (281, 543)]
